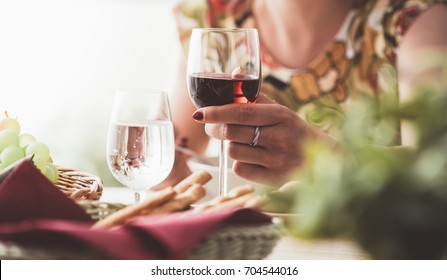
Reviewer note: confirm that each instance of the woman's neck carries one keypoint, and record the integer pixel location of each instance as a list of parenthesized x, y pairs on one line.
[(299, 30)]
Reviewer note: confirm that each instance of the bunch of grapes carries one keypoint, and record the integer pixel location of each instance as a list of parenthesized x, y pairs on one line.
[(15, 146)]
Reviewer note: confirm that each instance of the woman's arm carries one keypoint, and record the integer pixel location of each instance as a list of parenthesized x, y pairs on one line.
[(427, 34)]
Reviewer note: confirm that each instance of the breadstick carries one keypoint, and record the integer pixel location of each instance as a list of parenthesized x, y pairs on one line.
[(124, 214), (232, 203), (233, 193), (256, 202), (241, 190), (199, 177), (236, 202), (181, 201)]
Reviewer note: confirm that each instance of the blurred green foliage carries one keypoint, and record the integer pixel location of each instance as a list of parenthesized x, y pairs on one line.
[(390, 200)]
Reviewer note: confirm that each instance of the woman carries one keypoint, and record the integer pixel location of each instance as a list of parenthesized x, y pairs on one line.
[(317, 56)]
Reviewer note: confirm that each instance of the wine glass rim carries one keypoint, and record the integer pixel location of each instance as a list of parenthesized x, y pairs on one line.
[(224, 29)]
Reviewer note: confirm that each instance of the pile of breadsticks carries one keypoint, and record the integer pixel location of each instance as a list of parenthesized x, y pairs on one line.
[(180, 198)]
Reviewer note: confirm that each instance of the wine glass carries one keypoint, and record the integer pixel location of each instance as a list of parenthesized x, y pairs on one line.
[(140, 144), (224, 67)]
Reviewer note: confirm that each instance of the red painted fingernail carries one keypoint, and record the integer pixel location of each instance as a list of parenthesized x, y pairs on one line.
[(198, 116)]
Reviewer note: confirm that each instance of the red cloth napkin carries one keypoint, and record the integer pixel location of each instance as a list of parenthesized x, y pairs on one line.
[(34, 212), (177, 234), (27, 194), (159, 237)]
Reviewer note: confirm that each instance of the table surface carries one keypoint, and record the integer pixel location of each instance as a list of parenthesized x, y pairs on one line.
[(288, 247)]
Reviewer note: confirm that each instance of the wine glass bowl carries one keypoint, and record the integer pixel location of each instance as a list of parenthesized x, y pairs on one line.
[(140, 145), (224, 67), (220, 89)]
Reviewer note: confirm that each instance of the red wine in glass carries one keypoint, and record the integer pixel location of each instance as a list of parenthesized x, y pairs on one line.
[(211, 89), (224, 67)]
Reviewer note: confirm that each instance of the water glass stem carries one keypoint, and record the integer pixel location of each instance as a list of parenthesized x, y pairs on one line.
[(139, 196)]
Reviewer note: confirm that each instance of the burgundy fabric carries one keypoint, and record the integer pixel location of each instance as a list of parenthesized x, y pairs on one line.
[(27, 194), (34, 212)]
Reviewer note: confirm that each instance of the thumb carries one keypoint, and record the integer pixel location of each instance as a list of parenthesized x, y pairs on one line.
[(262, 99)]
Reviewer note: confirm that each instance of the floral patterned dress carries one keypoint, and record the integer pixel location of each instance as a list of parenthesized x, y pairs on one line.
[(361, 60)]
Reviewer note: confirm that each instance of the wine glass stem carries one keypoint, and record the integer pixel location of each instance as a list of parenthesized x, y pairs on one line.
[(139, 196), (223, 168)]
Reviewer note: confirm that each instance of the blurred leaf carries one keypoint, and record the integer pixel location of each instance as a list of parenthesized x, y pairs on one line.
[(391, 200)]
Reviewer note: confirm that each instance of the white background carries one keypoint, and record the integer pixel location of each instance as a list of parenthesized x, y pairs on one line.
[(61, 61), (307, 270)]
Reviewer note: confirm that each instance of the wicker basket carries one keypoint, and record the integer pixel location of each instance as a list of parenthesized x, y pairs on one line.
[(99, 210), (224, 243), (76, 184), (238, 243), (79, 185)]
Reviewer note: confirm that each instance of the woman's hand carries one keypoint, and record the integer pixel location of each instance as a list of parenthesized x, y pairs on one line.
[(278, 152)]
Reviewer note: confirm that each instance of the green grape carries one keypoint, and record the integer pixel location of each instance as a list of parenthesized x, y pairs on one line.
[(40, 163), (10, 155), (39, 149), (8, 138), (25, 139), (51, 172), (2, 165), (10, 123)]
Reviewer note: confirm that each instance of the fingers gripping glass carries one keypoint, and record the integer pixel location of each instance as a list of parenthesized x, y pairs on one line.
[(223, 68)]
